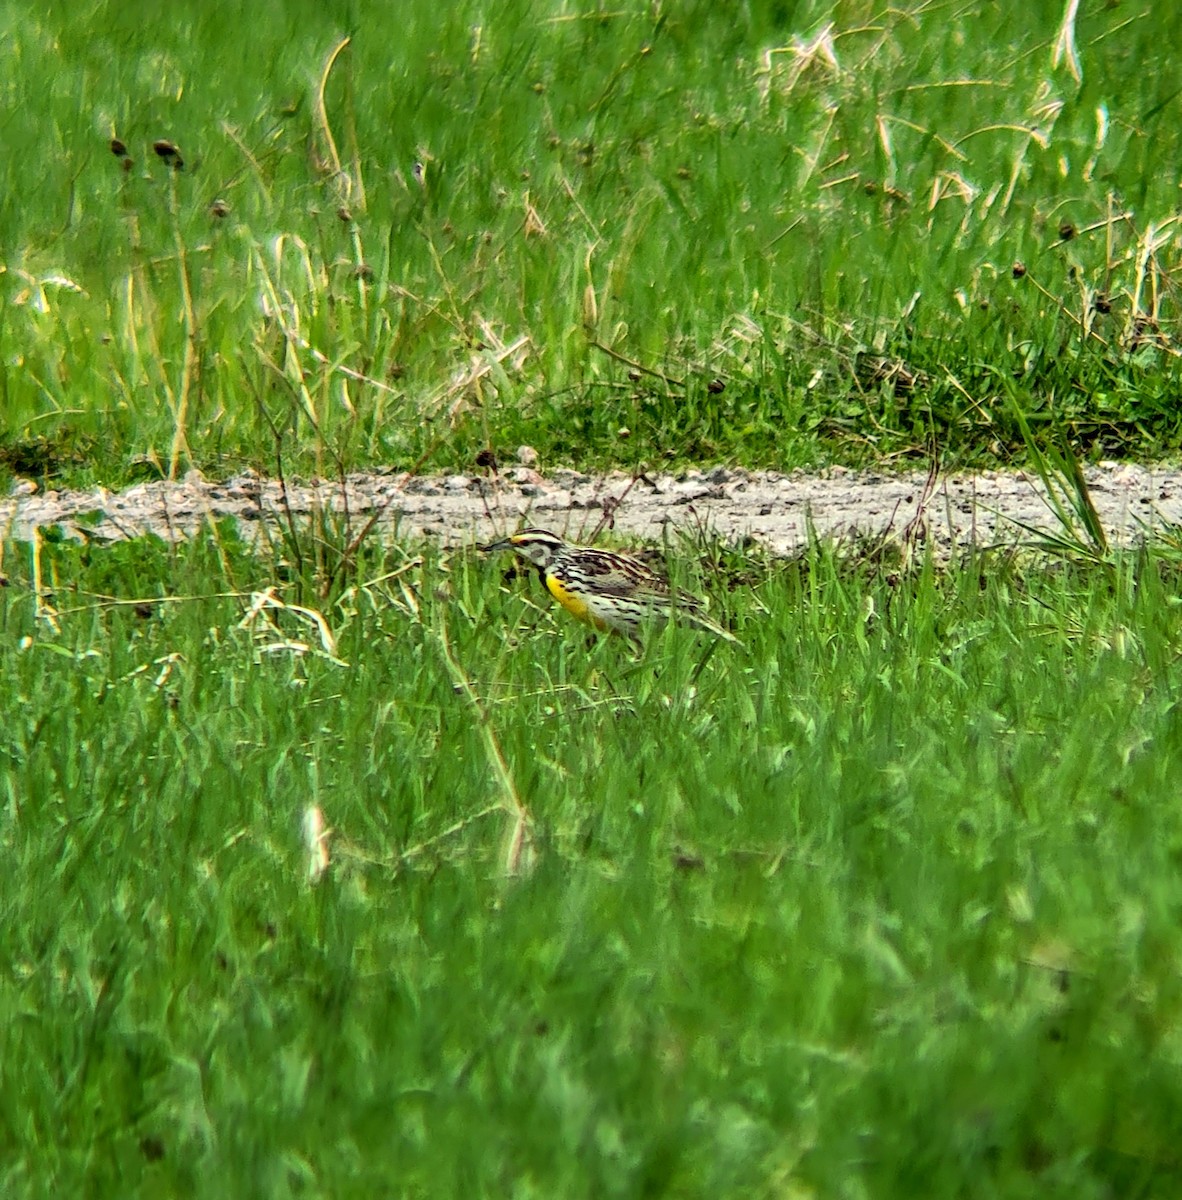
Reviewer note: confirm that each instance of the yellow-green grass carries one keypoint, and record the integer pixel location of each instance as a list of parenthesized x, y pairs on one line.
[(458, 228)]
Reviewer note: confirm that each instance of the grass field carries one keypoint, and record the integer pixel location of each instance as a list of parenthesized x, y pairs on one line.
[(884, 903), (771, 233)]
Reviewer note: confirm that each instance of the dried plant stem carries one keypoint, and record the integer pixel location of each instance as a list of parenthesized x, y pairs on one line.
[(180, 415), (628, 362), (322, 119), (45, 610), (517, 853)]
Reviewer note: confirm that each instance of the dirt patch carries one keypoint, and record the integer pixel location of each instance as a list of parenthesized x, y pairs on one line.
[(776, 509)]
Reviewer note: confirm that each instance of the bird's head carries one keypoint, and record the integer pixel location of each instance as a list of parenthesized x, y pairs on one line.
[(537, 546)]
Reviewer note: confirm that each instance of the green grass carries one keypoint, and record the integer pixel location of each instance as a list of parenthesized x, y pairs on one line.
[(887, 904), (670, 183)]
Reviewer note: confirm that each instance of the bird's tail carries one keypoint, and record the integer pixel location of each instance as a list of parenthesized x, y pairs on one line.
[(700, 621)]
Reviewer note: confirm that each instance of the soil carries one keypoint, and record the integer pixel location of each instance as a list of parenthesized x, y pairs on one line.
[(777, 510)]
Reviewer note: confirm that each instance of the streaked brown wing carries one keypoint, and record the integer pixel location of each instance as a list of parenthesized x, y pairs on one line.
[(623, 577), (639, 583), (613, 574)]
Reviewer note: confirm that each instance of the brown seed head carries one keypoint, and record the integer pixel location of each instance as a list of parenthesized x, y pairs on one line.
[(167, 151)]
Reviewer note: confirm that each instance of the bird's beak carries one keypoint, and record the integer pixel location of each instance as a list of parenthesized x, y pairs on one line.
[(489, 547)]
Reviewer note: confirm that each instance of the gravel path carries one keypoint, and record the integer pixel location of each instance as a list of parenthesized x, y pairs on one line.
[(776, 509)]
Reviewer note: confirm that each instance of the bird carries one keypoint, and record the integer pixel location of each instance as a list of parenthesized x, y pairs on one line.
[(610, 591)]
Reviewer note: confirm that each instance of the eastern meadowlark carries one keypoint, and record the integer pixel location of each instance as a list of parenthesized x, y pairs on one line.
[(603, 588)]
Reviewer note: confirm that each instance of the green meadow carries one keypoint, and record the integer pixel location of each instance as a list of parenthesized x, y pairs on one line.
[(883, 902), (770, 233)]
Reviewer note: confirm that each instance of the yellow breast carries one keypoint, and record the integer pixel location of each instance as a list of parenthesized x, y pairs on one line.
[(575, 605)]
